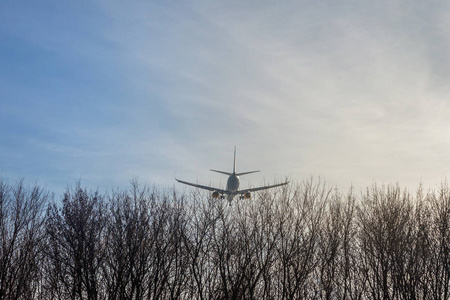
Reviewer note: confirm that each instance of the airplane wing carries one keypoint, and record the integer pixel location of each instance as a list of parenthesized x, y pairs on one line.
[(203, 187), (261, 188)]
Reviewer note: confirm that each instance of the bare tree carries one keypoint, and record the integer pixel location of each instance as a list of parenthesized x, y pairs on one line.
[(22, 211), (299, 221), (351, 284), (74, 246), (198, 243), (302, 241), (261, 240), (387, 241), (129, 244), (330, 247), (439, 238)]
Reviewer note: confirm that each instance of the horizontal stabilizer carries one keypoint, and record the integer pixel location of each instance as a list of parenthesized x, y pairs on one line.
[(245, 173), (222, 172)]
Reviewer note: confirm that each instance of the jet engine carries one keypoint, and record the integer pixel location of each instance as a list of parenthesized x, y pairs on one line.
[(215, 195), (247, 195)]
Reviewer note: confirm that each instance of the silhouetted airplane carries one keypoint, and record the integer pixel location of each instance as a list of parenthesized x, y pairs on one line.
[(233, 182)]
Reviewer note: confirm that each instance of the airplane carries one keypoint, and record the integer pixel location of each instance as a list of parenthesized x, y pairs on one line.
[(232, 189)]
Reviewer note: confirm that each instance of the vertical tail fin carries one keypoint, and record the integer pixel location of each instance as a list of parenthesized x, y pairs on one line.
[(234, 165)]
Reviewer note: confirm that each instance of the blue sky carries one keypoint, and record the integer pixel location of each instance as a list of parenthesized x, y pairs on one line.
[(355, 92)]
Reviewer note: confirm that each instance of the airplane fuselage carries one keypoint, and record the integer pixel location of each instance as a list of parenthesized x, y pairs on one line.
[(233, 183)]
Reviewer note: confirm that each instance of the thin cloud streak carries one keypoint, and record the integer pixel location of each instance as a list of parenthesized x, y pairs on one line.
[(353, 92)]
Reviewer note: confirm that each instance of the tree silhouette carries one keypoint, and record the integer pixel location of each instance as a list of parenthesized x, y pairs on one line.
[(302, 241), (74, 246), (21, 225)]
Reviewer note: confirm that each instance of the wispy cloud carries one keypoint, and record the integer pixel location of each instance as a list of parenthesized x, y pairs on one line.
[(353, 91)]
